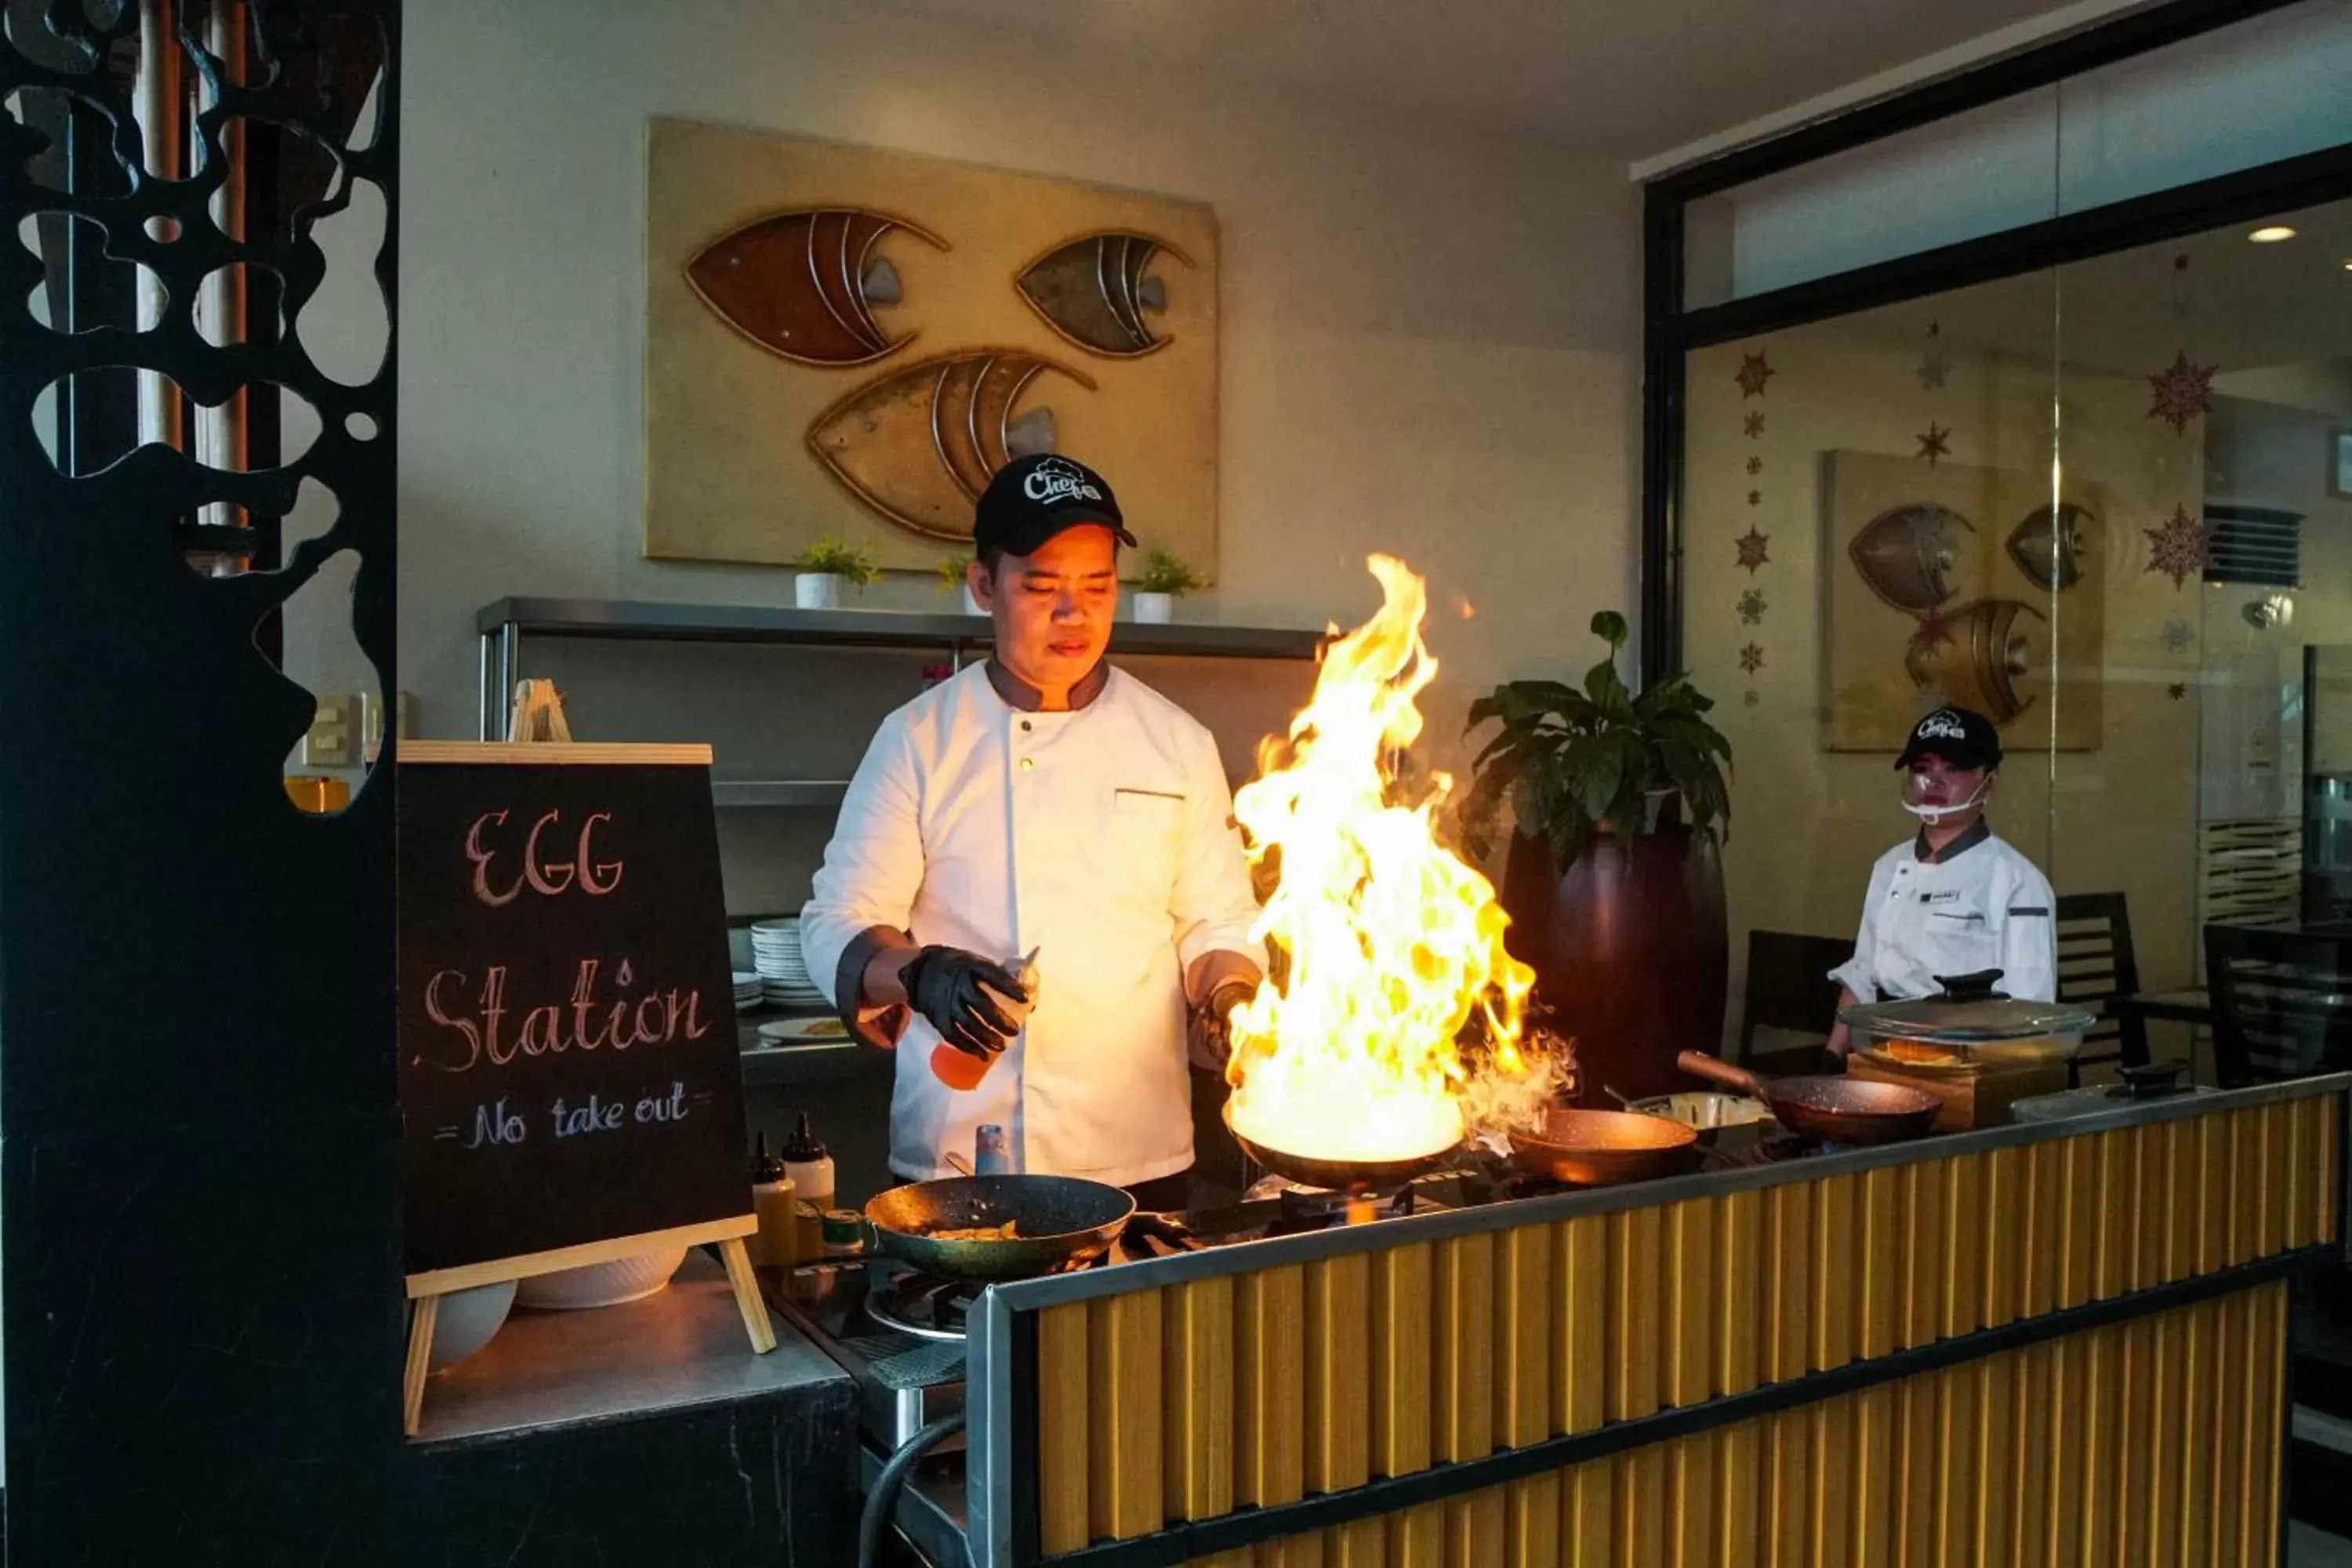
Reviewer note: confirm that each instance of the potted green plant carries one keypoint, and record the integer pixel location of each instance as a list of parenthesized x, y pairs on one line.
[(953, 577), (827, 564), (1165, 578), (1614, 878)]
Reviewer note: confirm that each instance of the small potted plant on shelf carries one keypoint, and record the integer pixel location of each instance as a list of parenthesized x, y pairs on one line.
[(952, 577), (826, 567), (1165, 579), (1613, 879)]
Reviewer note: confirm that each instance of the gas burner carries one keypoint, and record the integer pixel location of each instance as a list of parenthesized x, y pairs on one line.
[(1298, 1209), (1147, 1235), (923, 1305), (1797, 1146)]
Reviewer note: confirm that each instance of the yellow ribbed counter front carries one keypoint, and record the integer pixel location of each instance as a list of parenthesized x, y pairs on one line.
[(2046, 1344)]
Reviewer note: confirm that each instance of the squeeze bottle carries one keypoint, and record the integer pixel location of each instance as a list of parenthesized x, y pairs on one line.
[(772, 1197), (809, 1166), (962, 1070)]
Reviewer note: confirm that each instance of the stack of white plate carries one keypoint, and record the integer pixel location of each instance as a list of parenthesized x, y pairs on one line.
[(784, 974), (747, 988)]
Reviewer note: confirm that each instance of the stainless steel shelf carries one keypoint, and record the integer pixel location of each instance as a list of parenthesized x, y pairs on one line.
[(648, 621), (819, 1061), (730, 794)]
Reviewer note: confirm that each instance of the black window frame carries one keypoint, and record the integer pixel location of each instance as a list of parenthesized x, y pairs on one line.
[(1669, 332)]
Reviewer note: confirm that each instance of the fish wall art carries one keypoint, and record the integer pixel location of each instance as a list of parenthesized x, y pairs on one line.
[(1097, 290), (850, 341), (919, 444), (804, 284), (1958, 584)]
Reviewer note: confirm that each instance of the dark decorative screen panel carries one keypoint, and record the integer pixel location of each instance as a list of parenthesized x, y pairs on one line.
[(200, 1290)]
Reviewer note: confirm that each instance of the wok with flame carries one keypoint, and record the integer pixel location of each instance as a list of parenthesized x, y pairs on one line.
[(1348, 1069)]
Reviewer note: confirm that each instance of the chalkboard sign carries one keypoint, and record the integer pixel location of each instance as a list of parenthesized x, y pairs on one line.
[(568, 1069)]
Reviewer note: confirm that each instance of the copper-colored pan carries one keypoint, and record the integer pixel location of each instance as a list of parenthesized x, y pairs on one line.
[(1601, 1148), (1839, 1110)]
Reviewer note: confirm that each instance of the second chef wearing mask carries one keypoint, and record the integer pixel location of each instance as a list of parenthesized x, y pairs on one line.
[(1955, 898)]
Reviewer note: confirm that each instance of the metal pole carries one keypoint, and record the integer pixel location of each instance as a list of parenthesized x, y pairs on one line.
[(221, 304), (159, 105)]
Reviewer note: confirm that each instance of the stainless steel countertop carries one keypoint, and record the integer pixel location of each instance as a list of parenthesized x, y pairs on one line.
[(1242, 1257), (684, 1346)]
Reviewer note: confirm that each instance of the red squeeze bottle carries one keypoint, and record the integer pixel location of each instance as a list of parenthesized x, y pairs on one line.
[(961, 1070)]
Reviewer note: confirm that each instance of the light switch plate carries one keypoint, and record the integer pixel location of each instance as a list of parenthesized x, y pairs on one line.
[(330, 742)]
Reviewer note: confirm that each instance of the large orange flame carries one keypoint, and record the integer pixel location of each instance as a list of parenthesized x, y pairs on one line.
[(1393, 943)]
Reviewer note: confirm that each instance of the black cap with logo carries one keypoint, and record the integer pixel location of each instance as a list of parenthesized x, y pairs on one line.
[(1031, 500), (1962, 736)]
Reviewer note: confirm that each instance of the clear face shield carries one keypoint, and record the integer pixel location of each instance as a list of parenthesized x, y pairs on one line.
[(1934, 793)]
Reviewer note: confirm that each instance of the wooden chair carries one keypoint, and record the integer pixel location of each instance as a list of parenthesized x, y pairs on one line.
[(2282, 1003), (1789, 988), (2095, 968)]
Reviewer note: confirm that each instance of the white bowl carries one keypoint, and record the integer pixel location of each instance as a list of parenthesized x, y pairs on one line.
[(601, 1284), (466, 1320)]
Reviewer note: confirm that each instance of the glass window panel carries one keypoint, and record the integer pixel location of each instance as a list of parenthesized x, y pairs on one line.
[(1851, 494), (2249, 94), (2269, 88), (1974, 173)]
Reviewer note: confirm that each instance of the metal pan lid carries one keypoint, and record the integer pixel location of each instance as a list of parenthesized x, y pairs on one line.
[(1968, 1010)]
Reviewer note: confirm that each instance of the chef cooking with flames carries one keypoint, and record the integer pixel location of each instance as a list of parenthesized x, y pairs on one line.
[(1955, 900), (1042, 804)]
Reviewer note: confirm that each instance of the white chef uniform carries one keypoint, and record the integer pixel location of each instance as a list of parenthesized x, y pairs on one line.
[(1978, 905), (1102, 837)]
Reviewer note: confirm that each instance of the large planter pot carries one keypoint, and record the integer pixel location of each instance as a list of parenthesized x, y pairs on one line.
[(1631, 953)]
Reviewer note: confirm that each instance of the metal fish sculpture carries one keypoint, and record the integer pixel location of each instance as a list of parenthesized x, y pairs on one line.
[(919, 444), (804, 284), (1991, 656), (1907, 555), (2050, 551), (1094, 292)]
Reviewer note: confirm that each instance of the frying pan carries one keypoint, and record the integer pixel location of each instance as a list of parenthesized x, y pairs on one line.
[(1838, 1110), (1600, 1148), (1342, 1175), (1058, 1221)]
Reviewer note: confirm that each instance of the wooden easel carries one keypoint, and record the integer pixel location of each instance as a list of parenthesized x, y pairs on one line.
[(426, 1291), (538, 732)]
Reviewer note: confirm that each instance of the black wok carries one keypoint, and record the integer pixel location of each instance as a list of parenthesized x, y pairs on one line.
[(1838, 1110), (1601, 1148), (1058, 1222), (1342, 1175)]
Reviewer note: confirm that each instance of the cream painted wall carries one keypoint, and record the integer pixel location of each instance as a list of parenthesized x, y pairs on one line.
[(1429, 344), (1808, 823)]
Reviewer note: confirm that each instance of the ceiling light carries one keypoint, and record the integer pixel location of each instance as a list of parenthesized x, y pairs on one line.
[(2272, 234)]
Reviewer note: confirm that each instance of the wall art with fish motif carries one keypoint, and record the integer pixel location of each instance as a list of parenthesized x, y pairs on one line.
[(849, 340), (1958, 584)]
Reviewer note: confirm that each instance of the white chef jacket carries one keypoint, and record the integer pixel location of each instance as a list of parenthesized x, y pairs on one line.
[(1102, 837), (1981, 905)]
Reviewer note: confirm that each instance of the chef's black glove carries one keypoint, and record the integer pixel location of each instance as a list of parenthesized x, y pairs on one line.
[(1214, 1038), (949, 987)]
